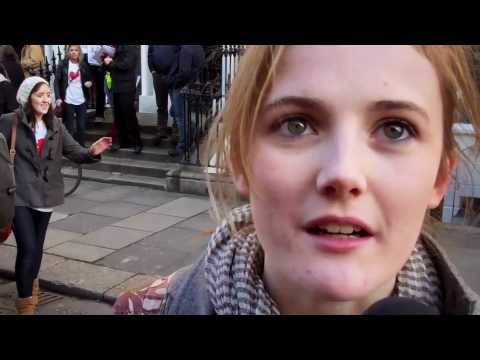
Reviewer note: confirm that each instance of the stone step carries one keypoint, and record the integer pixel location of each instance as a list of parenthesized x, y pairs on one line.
[(132, 166), (124, 179), (146, 121), (106, 126), (155, 154), (147, 139)]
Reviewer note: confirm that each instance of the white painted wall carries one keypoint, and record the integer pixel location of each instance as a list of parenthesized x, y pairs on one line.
[(147, 102), (466, 179)]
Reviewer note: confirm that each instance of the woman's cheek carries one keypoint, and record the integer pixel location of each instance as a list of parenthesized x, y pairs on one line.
[(278, 174)]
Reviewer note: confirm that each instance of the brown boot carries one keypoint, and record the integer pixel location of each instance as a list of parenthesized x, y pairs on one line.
[(25, 306), (35, 291)]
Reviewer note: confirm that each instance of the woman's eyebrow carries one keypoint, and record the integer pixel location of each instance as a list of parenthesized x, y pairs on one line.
[(301, 101), (384, 105), (319, 105)]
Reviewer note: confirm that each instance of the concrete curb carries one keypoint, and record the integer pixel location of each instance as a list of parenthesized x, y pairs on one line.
[(189, 179), (121, 179), (66, 289)]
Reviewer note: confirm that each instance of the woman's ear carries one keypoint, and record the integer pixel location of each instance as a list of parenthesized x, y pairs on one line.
[(239, 180), (443, 179)]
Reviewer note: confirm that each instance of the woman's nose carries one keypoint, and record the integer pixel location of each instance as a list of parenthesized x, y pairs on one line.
[(343, 175)]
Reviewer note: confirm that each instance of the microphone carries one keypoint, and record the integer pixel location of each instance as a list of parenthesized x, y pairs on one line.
[(400, 306)]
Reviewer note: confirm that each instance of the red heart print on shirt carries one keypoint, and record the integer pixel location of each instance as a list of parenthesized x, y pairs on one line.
[(73, 75), (40, 143)]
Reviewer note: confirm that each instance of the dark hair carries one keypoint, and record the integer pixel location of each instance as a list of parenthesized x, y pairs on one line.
[(8, 52), (3, 71), (47, 118)]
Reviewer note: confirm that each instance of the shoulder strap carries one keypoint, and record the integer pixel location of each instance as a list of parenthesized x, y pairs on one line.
[(13, 138)]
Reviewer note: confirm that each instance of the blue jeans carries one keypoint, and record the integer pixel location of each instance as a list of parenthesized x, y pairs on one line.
[(178, 112), (74, 120)]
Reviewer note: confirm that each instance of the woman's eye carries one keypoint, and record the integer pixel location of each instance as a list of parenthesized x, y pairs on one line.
[(295, 126), (397, 130)]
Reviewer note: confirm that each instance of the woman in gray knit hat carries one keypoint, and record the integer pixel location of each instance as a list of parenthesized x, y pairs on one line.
[(42, 141), (341, 152)]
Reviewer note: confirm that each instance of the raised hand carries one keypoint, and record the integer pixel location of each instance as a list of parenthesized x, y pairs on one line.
[(100, 146)]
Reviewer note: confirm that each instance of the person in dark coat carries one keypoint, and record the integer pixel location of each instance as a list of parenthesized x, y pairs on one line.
[(8, 103), (123, 69), (190, 61), (9, 59), (161, 59)]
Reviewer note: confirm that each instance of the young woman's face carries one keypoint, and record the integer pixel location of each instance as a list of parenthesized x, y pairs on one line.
[(349, 139), (74, 53), (41, 100)]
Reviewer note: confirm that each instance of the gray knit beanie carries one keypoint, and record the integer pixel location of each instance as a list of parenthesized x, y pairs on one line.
[(26, 88)]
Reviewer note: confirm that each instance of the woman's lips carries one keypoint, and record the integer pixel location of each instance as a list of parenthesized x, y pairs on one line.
[(338, 243)]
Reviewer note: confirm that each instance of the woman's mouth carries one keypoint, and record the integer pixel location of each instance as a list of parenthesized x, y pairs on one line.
[(335, 229), (335, 234)]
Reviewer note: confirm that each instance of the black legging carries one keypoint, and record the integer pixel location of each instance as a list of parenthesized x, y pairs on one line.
[(30, 229), (126, 118), (98, 75)]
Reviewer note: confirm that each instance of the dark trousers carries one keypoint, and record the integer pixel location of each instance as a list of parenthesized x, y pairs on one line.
[(126, 119), (74, 119), (182, 119), (98, 76), (160, 85), (30, 229)]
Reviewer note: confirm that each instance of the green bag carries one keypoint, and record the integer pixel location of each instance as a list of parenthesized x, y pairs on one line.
[(108, 80)]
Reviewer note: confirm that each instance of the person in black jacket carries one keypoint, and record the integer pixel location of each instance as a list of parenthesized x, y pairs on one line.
[(190, 61), (9, 59), (72, 81), (161, 59), (123, 69), (8, 103)]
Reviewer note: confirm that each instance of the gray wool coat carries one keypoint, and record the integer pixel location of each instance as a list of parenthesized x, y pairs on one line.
[(39, 179)]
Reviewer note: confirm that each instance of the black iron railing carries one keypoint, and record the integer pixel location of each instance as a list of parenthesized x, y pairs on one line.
[(205, 97), (47, 70)]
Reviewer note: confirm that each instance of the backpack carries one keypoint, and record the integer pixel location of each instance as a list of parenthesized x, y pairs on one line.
[(7, 183)]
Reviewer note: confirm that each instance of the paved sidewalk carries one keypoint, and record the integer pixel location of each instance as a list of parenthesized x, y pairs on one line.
[(109, 238)]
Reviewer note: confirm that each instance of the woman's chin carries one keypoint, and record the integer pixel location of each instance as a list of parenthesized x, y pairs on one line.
[(341, 285)]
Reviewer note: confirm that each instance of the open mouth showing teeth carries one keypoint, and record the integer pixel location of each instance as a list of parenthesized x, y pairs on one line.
[(338, 230)]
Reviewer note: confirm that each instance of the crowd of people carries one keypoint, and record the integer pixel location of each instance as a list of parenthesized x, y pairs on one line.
[(89, 74)]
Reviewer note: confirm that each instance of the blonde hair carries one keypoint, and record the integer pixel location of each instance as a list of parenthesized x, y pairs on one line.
[(80, 52), (231, 135)]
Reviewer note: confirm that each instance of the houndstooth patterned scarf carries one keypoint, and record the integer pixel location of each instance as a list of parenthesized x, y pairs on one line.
[(234, 268)]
